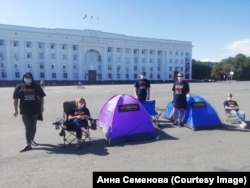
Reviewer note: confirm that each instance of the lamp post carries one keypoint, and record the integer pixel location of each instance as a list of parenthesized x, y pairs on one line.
[(231, 75)]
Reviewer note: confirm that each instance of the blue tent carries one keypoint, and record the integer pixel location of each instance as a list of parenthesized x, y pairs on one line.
[(200, 114)]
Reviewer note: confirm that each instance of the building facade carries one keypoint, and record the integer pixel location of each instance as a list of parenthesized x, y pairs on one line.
[(89, 55)]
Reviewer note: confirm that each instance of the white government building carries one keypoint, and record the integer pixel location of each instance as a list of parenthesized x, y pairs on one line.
[(89, 55)]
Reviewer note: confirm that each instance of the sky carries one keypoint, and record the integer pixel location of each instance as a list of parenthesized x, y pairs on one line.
[(218, 29)]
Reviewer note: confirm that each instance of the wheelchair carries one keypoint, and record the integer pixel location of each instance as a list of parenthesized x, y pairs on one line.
[(67, 128)]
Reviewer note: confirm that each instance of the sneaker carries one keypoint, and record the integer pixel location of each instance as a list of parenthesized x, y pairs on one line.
[(34, 143), (27, 148), (180, 124), (243, 125), (175, 123)]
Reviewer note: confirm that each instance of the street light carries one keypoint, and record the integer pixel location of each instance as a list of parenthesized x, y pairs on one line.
[(231, 75)]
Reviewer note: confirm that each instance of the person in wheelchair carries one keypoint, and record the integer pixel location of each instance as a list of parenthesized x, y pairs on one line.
[(232, 108), (79, 118)]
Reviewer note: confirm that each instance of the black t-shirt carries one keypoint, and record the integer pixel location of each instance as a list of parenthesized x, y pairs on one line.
[(82, 111), (29, 98), (180, 90), (142, 86)]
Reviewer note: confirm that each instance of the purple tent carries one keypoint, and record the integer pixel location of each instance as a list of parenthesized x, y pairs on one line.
[(123, 118)]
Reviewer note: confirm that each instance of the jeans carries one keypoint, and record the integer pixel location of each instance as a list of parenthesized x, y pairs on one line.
[(29, 122), (239, 115), (79, 124)]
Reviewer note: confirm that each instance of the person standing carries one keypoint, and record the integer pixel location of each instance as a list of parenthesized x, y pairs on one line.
[(232, 107), (29, 96), (180, 90), (142, 88)]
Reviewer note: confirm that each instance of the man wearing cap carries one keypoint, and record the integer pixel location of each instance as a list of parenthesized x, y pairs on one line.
[(142, 88), (180, 90)]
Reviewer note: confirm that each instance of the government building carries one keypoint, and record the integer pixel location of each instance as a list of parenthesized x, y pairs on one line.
[(89, 56)]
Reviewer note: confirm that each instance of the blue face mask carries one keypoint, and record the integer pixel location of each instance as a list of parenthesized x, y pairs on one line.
[(27, 81)]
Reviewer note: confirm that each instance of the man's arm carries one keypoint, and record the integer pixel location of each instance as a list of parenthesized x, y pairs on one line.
[(148, 93), (15, 103)]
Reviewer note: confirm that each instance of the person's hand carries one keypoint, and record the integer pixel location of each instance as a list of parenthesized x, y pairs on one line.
[(15, 113)]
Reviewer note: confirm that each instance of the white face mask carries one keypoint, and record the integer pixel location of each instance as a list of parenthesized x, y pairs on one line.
[(179, 78), (229, 98), (80, 105), (142, 76), (27, 81)]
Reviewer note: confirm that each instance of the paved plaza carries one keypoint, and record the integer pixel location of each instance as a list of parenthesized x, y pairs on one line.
[(177, 149)]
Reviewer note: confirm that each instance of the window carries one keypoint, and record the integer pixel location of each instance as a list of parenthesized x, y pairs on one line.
[(41, 66), (118, 68), (109, 67), (110, 76), (109, 59), (176, 53), (15, 43), (53, 56), (127, 50), (127, 76), (143, 51), (75, 57), (159, 52), (109, 49), (65, 75), (52, 46), (17, 74), (64, 46), (135, 60), (53, 75), (41, 55), (29, 55), (40, 45), (64, 56), (136, 51), (118, 50), (42, 75), (151, 52), (28, 44), (99, 58), (75, 47), (1, 42), (118, 59), (64, 66), (4, 75)]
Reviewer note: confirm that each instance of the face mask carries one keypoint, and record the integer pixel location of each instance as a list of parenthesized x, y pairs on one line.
[(179, 78), (229, 98), (27, 81), (142, 76), (80, 105)]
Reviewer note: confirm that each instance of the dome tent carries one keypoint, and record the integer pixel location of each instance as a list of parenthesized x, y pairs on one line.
[(123, 118), (199, 114)]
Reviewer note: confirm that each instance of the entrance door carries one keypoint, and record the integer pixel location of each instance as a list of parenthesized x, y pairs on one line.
[(92, 75)]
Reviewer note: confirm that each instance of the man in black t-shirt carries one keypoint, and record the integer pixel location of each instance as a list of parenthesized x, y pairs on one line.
[(180, 90), (142, 88)]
